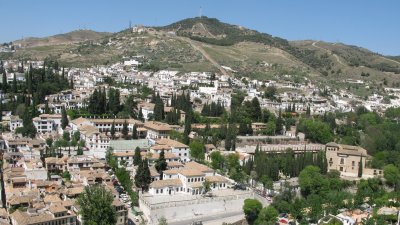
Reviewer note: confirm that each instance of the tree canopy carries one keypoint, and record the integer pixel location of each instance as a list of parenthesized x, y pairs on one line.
[(96, 206)]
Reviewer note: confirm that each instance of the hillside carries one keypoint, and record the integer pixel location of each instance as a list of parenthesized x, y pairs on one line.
[(206, 44), (61, 39)]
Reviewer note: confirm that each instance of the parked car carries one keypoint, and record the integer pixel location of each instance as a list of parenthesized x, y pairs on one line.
[(239, 186)]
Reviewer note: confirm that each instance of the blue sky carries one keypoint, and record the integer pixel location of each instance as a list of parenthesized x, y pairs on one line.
[(371, 24)]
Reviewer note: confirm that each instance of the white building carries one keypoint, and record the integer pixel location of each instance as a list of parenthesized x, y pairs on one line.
[(47, 123), (172, 146), (188, 180), (15, 122)]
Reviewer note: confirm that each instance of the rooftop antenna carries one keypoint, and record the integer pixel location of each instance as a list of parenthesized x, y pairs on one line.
[(200, 11)]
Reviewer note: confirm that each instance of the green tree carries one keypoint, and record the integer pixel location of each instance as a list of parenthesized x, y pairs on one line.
[(146, 177), (79, 151), (251, 209), (66, 175), (206, 186), (391, 174), (112, 131), (1, 110), (4, 83), (158, 108), (217, 160), (267, 216), (197, 150), (162, 221), (137, 158), (96, 206), (161, 163), (312, 181), (134, 132), (14, 84), (125, 130), (64, 118), (266, 182), (256, 109), (270, 92), (360, 167)]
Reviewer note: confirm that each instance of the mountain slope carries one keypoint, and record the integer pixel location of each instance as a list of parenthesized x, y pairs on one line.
[(206, 44), (60, 39)]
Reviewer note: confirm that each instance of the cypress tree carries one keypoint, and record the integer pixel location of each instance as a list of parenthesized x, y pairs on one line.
[(256, 109), (125, 130), (112, 131), (93, 102), (161, 164), (158, 109), (71, 84), (139, 175), (140, 115), (4, 84), (44, 71), (1, 109), (29, 80), (146, 177), (64, 118), (308, 111), (134, 132), (117, 105), (279, 123), (137, 158), (14, 84), (188, 127), (46, 108), (360, 167)]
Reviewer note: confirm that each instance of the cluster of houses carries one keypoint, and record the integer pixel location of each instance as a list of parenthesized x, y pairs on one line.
[(37, 185)]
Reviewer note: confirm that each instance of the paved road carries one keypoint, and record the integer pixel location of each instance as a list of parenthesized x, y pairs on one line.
[(214, 219)]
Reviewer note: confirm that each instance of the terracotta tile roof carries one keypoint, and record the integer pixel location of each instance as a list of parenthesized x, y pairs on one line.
[(80, 121), (171, 171), (123, 154), (198, 166), (171, 143), (174, 164), (166, 183), (57, 208), (158, 126), (51, 199), (191, 173), (216, 179)]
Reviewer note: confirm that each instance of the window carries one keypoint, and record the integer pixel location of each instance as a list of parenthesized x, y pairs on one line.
[(353, 163), (161, 191), (341, 169), (342, 161)]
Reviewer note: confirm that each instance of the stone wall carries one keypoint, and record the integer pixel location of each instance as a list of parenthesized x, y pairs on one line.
[(197, 209)]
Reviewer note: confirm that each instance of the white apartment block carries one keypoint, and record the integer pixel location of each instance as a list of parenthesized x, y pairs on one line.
[(47, 123)]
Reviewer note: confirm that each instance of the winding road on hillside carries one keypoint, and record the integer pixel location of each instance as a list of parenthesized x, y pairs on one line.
[(330, 52)]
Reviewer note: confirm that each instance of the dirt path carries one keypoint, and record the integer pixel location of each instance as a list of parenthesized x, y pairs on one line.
[(205, 54), (330, 52), (391, 60)]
